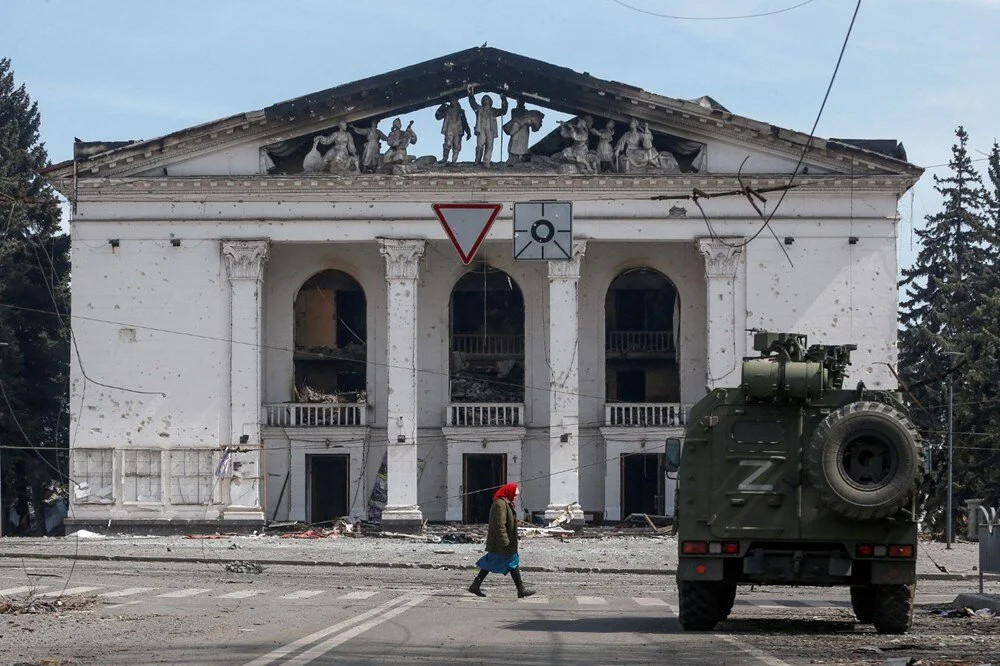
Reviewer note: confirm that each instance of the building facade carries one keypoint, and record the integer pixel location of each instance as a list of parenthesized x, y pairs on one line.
[(275, 325)]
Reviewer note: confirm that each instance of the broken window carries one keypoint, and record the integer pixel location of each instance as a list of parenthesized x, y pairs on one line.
[(191, 477), (141, 480), (330, 339), (487, 338), (93, 472), (641, 318)]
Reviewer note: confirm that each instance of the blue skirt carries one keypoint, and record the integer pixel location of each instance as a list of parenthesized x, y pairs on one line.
[(497, 563)]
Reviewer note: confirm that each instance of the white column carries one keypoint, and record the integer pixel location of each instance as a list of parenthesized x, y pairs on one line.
[(564, 386), (725, 281), (242, 492), (402, 266)]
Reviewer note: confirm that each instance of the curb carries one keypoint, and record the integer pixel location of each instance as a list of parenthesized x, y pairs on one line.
[(400, 565), (977, 601)]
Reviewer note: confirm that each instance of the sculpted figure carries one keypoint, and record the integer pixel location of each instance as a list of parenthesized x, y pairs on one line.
[(486, 125), (578, 152), (314, 159), (371, 153), (522, 122), (342, 155), (635, 150), (398, 140), (605, 151), (453, 127)]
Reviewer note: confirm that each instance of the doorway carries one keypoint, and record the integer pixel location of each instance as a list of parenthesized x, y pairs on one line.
[(642, 484), (482, 474), (329, 487)]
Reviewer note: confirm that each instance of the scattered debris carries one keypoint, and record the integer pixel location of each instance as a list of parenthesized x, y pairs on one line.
[(32, 604), (86, 534), (948, 611), (244, 566), (426, 538)]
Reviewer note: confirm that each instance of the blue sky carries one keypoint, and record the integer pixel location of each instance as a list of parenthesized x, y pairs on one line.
[(913, 71)]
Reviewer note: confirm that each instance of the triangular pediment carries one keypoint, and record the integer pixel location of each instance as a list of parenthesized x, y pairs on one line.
[(699, 136)]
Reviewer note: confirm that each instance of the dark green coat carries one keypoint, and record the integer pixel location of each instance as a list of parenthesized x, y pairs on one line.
[(501, 537)]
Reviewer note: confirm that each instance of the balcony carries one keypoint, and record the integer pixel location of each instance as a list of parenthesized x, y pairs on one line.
[(315, 415), (639, 342), (488, 345), (476, 414), (645, 414)]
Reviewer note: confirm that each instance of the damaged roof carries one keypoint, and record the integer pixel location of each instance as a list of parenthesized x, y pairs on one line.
[(488, 69)]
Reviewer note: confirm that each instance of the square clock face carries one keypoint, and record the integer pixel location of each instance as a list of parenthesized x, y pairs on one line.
[(543, 230)]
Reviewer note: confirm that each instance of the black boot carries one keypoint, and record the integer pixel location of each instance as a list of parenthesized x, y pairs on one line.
[(475, 587), (522, 592)]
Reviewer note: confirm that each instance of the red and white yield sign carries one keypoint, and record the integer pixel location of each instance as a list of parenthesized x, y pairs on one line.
[(466, 225)]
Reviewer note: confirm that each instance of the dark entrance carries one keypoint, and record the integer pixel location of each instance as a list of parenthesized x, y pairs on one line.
[(482, 474), (642, 484), (329, 486)]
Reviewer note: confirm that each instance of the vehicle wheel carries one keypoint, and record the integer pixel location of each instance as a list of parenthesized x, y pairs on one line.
[(863, 602), (699, 604), (893, 612), (727, 597), (864, 460)]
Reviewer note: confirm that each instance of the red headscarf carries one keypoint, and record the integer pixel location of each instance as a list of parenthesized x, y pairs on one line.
[(506, 491)]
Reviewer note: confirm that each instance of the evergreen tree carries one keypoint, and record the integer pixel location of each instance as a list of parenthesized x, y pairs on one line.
[(941, 325), (34, 273)]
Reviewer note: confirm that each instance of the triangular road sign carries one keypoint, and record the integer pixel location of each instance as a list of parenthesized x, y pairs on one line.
[(466, 225)]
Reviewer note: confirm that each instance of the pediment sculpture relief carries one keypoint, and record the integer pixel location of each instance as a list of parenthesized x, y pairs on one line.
[(581, 145)]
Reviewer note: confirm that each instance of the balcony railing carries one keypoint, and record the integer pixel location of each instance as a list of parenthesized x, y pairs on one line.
[(475, 414), (645, 414), (315, 414), (639, 341), (488, 345)]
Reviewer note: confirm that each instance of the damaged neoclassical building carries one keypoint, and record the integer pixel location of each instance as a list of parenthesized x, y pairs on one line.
[(303, 334)]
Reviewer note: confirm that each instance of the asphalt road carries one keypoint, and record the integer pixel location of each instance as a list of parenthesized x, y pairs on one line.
[(189, 613)]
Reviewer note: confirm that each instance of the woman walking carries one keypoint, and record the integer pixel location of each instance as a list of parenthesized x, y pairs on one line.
[(501, 543)]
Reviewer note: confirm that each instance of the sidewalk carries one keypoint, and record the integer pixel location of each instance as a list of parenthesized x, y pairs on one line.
[(645, 554)]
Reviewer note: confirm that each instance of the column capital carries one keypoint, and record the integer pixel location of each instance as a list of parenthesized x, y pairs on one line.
[(402, 257), (569, 268), (722, 256), (245, 259)]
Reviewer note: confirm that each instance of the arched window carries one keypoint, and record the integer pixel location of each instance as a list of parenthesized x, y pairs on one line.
[(330, 338), (487, 338), (641, 322)]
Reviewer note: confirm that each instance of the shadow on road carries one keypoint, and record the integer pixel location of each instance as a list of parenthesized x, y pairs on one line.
[(786, 625), (602, 625)]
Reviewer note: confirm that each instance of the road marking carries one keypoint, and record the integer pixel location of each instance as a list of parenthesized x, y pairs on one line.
[(759, 655), (360, 594), (765, 604), (591, 601), (285, 650), (649, 601), (127, 592), (241, 594), (180, 594), (534, 600), (303, 594), (317, 651), (72, 590), (124, 603), (19, 590)]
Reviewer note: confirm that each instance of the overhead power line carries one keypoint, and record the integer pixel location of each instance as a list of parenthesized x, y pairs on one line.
[(711, 18)]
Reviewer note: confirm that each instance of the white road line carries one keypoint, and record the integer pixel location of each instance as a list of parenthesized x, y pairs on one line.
[(124, 603), (241, 594), (649, 601), (759, 655), (19, 590), (72, 590), (534, 600), (819, 604), (766, 604), (127, 592), (286, 650), (303, 594), (319, 650), (360, 594), (180, 594), (591, 601)]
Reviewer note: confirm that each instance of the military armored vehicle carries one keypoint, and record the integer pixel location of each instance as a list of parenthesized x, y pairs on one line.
[(790, 479)]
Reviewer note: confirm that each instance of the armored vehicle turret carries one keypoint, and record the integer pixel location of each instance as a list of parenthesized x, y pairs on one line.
[(791, 479)]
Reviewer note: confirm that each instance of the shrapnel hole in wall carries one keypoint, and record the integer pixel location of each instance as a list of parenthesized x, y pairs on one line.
[(487, 338), (641, 319)]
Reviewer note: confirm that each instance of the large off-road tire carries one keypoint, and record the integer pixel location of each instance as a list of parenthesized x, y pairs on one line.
[(893, 612), (863, 602), (699, 604), (727, 597), (864, 460)]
